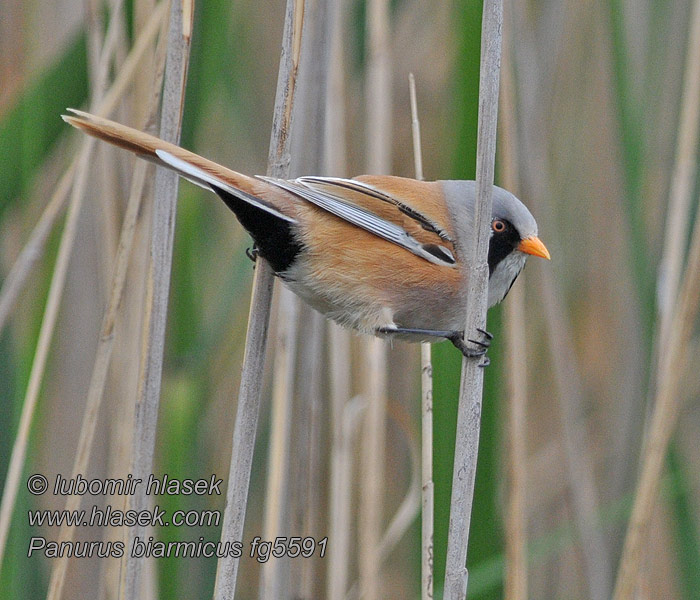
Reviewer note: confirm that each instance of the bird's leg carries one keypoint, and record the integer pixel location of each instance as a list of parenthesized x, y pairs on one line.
[(456, 337)]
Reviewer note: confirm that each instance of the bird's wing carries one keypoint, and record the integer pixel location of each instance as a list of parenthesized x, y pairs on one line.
[(379, 213), (366, 189)]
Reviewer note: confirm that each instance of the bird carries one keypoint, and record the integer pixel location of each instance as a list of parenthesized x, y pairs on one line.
[(380, 254)]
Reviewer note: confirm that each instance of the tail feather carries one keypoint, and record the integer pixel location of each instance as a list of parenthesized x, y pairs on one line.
[(148, 147)]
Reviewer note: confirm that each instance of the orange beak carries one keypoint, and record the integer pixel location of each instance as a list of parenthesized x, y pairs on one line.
[(533, 245)]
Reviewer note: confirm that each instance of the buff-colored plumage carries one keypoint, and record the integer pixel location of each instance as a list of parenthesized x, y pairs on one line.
[(375, 253)]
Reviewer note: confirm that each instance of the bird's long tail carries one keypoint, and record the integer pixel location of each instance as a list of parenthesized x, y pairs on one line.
[(266, 211), (197, 169)]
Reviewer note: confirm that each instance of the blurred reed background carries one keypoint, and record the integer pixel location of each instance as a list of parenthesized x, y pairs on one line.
[(599, 138)]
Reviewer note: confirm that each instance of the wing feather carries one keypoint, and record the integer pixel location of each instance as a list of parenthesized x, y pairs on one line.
[(363, 218), (419, 217)]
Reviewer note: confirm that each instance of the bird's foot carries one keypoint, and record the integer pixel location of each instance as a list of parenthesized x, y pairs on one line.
[(252, 253), (457, 339)]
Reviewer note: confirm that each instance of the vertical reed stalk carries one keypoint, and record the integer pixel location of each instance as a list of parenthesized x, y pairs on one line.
[(378, 102), (158, 282), (663, 420), (310, 147), (426, 369), (472, 381), (256, 337), (516, 350), (308, 508), (340, 356), (571, 400), (308, 138), (682, 181), (340, 464), (272, 584)]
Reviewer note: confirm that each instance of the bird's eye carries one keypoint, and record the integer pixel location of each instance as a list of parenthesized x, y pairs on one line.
[(498, 226)]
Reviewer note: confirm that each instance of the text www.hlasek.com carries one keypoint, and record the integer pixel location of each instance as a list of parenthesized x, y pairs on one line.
[(110, 517)]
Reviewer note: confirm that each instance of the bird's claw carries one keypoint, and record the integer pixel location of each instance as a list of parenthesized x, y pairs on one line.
[(486, 341), (457, 339), (486, 334), (252, 253)]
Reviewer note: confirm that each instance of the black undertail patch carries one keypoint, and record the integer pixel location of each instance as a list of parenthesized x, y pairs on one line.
[(273, 236)]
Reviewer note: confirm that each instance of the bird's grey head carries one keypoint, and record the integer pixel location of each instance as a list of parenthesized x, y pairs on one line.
[(513, 233), (507, 207)]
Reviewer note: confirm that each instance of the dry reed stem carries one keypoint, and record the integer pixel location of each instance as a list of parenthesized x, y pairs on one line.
[(256, 337), (426, 369), (100, 369), (472, 381), (307, 145), (309, 150), (677, 318), (94, 26), (340, 462), (515, 587), (53, 302), (102, 58), (309, 506), (378, 110), (34, 248), (406, 512), (107, 212), (157, 284), (245, 426), (272, 584), (378, 94), (516, 511), (427, 484), (372, 451), (682, 180), (334, 155), (342, 409)]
